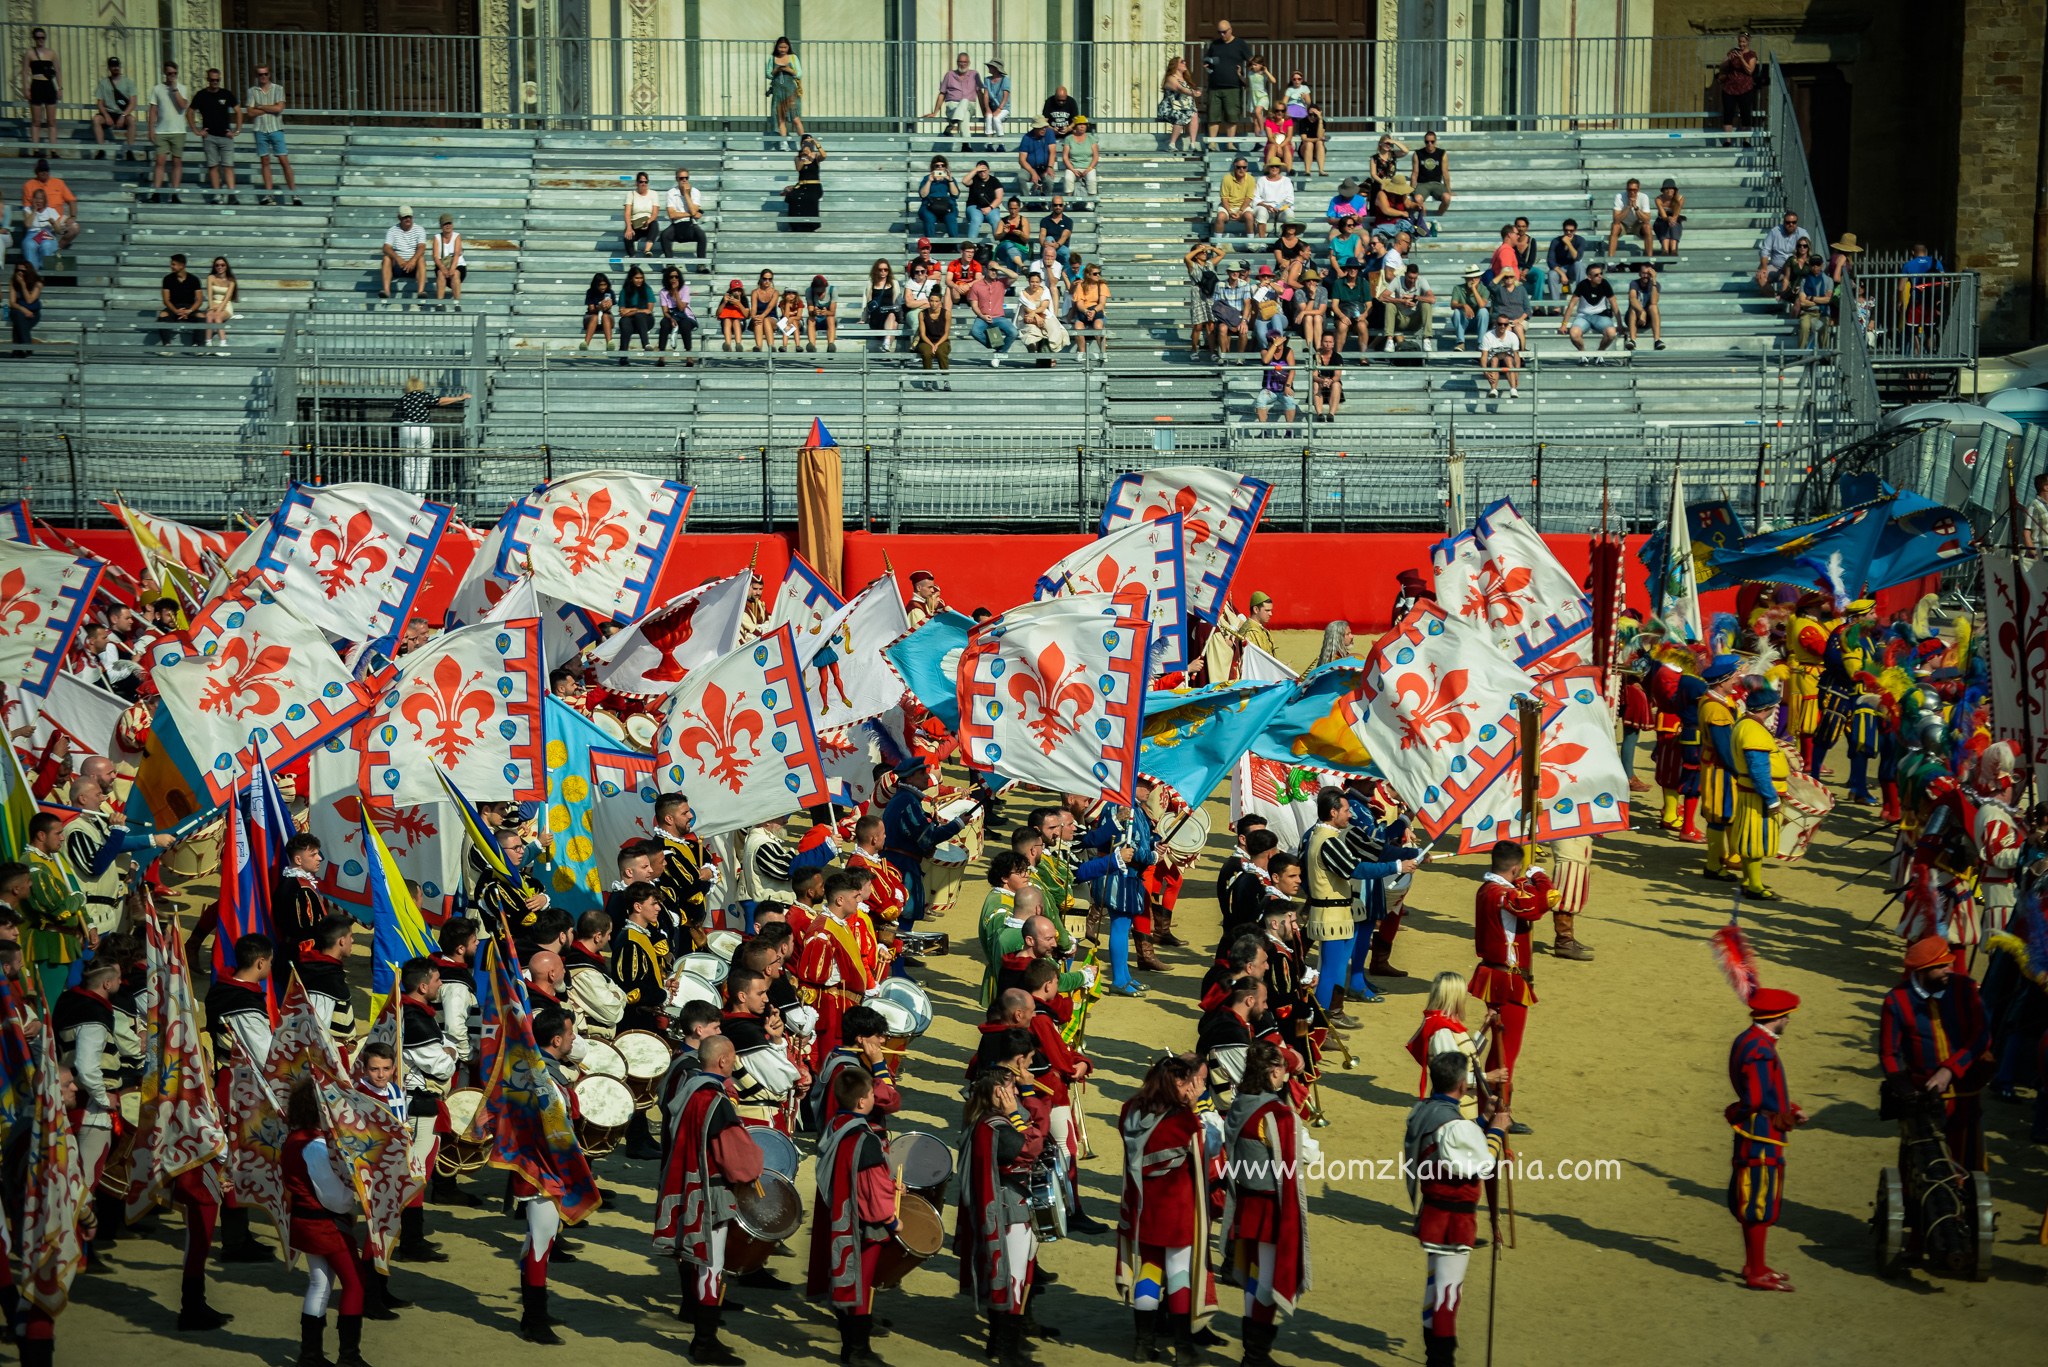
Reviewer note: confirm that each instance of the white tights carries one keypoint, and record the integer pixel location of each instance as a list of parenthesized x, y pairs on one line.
[(319, 1285), (1260, 1291), (1019, 1243)]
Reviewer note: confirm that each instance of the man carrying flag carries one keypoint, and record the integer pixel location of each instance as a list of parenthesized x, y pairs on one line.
[(429, 1071), (238, 1011)]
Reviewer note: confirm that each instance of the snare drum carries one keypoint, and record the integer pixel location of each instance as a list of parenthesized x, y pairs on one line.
[(458, 1152), (902, 1027), (924, 1162), (688, 987), (1805, 802), (778, 1150), (609, 723), (965, 847), (1187, 835), (605, 1108), (708, 966), (602, 1060), (920, 1232), (770, 1213), (912, 998), (641, 729), (723, 944), (647, 1058), (1048, 1203)]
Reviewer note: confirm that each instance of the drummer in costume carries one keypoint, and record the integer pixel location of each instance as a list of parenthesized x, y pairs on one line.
[(687, 873), (640, 958), (1447, 1159), (711, 1157), (238, 1012), (1719, 711), (554, 1031), (595, 995), (429, 1066), (457, 938), (887, 895), (864, 1036), (1251, 886), (511, 899), (1127, 832), (1066, 1067), (322, 1209), (1265, 1213), (852, 1216), (763, 1080), (1162, 1238), (1760, 773), (839, 961), (323, 970), (1762, 1116), (1846, 711), (992, 1234), (1508, 905), (1933, 1034), (910, 836), (1806, 650)]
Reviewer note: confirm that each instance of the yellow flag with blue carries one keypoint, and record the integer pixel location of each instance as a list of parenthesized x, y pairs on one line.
[(398, 930)]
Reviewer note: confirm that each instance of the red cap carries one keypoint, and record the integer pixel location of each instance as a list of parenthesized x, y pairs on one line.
[(923, 242), (732, 284), (1926, 952), (1769, 1003)]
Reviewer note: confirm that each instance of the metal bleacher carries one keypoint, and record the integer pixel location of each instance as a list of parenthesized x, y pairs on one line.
[(315, 355)]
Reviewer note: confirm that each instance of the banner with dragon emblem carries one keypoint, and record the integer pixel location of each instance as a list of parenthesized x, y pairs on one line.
[(1284, 794), (50, 1254), (424, 840), (598, 539), (2016, 614), (845, 670), (470, 701), (43, 598), (1053, 694), (1144, 560), (273, 691), (649, 657), (256, 1134), (178, 1128), (350, 557), (1500, 575), (1219, 510), (1583, 789), (739, 739), (1435, 709)]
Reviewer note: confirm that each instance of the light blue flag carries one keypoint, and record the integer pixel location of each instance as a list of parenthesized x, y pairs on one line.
[(928, 661), (581, 869), (1193, 738), (1308, 729)]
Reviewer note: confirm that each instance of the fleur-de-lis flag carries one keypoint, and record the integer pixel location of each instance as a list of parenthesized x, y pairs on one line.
[(1218, 509), (738, 738), (350, 557), (1499, 574), (1144, 561), (470, 701), (43, 597), (598, 539)]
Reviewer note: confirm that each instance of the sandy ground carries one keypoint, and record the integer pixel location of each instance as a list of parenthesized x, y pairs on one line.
[(1626, 1060)]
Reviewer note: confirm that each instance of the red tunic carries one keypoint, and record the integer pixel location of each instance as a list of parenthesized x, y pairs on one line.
[(885, 904), (1503, 957), (837, 960)]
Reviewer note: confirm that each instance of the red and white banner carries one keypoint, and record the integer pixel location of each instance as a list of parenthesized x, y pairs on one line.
[(626, 785), (178, 1129), (189, 548), (426, 840), (1436, 710), (1500, 575), (86, 714), (1146, 562), (1218, 509), (43, 599), (469, 701), (1583, 791), (2016, 612), (848, 677), (1053, 694), (652, 655), (738, 738), (598, 539), (350, 558)]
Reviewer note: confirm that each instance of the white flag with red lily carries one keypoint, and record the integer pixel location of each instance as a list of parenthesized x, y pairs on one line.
[(738, 738), (1584, 790), (649, 657), (178, 1128), (1143, 562), (1053, 694), (1218, 509), (191, 549), (598, 539), (1436, 710), (627, 784), (426, 840), (848, 676), (254, 1121), (350, 557), (469, 700), (1500, 575), (44, 595), (273, 690), (496, 565), (2016, 641)]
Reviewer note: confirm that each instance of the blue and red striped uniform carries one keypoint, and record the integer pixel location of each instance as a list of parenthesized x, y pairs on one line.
[(1920, 1032), (1759, 1116)]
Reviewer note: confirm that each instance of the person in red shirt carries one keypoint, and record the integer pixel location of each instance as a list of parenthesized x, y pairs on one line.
[(322, 1211), (712, 1153), (1066, 1070), (1162, 1230), (992, 1233), (1265, 1218), (863, 1037), (852, 1217), (1509, 904)]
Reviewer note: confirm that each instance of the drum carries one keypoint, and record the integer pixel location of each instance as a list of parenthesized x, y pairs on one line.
[(924, 1162), (964, 848), (1182, 838), (602, 1060), (459, 1154), (195, 857), (708, 966), (723, 943), (910, 996), (770, 1213), (1048, 1204), (605, 1108), (688, 987), (920, 1232), (641, 729), (778, 1150), (902, 1026), (609, 723), (647, 1058), (924, 943), (1806, 801)]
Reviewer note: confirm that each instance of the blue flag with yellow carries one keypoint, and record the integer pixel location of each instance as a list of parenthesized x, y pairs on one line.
[(1307, 728), (1193, 738), (580, 868)]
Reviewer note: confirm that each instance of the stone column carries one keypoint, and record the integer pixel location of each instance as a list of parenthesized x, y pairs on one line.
[(1998, 140)]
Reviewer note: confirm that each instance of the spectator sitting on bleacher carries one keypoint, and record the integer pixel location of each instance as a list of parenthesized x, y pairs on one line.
[(1643, 293), (1060, 111), (927, 281), (181, 294), (1591, 306), (219, 123), (995, 104), (1346, 203), (1058, 229), (1386, 162), (44, 232), (1231, 307), (1511, 304), (762, 303), (598, 303), (1279, 145), (1268, 318), (984, 196), (641, 214), (1272, 197), (881, 305), (405, 252), (1634, 214), (24, 304), (1786, 283), (1014, 242), (684, 209), (1034, 159), (732, 314), (673, 307), (1290, 253), (449, 269), (1310, 307), (821, 308), (114, 110), (1395, 258), (1327, 396), (636, 313), (1395, 204), (1566, 256), (1080, 153), (1525, 261), (1470, 307), (935, 338), (1500, 357), (1410, 305), (1351, 304), (1431, 172), (1777, 248), (1234, 198), (1347, 244), (988, 299), (1056, 274), (1090, 306), (959, 98), (923, 255), (221, 293), (961, 273), (1813, 302), (1670, 222), (1038, 316), (170, 107), (790, 318), (1503, 263), (1311, 141), (938, 201)]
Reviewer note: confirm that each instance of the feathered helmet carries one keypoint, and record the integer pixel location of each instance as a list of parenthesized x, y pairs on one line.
[(1738, 964), (1995, 768)]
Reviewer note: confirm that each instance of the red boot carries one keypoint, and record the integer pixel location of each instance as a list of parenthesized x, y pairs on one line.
[(1756, 1274), (1890, 815), (1692, 834)]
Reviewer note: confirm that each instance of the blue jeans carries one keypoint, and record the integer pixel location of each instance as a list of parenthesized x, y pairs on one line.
[(978, 218), (1120, 951), (936, 226), (1477, 323), (982, 329), (37, 252), (1010, 254)]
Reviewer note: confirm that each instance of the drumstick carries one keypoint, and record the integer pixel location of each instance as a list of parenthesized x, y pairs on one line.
[(899, 1191)]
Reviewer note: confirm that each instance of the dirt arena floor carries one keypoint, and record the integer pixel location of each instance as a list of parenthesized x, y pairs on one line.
[(1626, 1060)]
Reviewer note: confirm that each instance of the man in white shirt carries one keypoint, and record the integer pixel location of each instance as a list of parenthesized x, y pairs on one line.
[(2034, 530), (264, 108), (1635, 213), (170, 106), (405, 252), (1500, 357), (1411, 306), (1777, 248), (1273, 198), (684, 209)]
